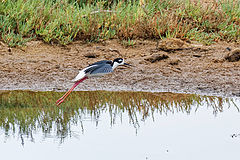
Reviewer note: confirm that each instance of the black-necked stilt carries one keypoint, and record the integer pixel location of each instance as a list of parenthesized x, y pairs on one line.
[(96, 69)]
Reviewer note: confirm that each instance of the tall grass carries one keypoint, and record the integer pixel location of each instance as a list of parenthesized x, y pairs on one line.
[(63, 21)]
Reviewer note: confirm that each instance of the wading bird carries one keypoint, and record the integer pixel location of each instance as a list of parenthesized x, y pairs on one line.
[(96, 69)]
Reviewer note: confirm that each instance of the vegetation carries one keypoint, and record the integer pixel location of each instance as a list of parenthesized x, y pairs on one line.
[(64, 21), (25, 112)]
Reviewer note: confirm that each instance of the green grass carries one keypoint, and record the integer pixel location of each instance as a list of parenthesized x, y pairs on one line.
[(64, 21)]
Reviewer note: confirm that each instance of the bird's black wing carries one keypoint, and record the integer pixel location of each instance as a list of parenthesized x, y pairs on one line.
[(102, 69), (91, 68), (101, 62)]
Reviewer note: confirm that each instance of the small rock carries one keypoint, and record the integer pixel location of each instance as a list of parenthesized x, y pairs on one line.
[(197, 55), (57, 66), (233, 56), (174, 61), (142, 62), (154, 50), (100, 48), (156, 57), (171, 44), (114, 50), (91, 55), (228, 49), (57, 88), (218, 60)]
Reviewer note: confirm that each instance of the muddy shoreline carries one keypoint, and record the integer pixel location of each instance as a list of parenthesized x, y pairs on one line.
[(168, 66)]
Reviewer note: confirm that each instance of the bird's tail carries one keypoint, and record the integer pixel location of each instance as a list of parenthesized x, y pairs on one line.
[(80, 75)]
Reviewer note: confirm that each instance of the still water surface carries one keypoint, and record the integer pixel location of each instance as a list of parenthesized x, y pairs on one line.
[(118, 125)]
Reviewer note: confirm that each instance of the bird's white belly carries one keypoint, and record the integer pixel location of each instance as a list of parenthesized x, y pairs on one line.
[(97, 74)]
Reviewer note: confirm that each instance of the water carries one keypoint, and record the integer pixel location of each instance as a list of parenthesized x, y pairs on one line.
[(118, 125)]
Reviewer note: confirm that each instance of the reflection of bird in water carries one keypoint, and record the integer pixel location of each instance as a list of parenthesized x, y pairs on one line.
[(96, 69)]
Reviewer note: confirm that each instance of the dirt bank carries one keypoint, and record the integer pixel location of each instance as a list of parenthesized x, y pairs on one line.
[(170, 65)]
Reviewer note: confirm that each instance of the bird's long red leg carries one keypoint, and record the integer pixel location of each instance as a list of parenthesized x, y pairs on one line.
[(70, 90), (60, 100)]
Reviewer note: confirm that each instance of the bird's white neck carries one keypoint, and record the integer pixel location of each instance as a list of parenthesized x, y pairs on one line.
[(115, 65)]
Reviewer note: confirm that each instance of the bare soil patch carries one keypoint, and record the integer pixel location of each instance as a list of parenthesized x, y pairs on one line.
[(178, 67)]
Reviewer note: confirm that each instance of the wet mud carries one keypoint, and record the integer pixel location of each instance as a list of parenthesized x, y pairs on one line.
[(171, 65)]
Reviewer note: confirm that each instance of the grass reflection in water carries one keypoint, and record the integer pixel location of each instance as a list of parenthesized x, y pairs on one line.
[(25, 112)]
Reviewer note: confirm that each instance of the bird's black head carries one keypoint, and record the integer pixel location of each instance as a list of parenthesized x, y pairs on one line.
[(118, 60)]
